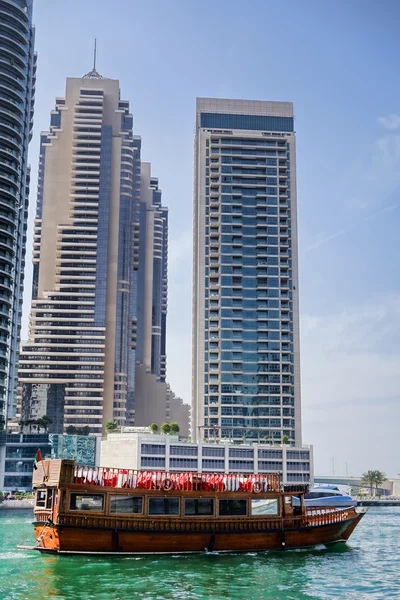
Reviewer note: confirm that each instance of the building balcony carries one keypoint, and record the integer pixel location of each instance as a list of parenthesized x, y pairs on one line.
[(10, 141)]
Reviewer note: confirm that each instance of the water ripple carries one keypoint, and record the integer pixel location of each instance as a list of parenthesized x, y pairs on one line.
[(365, 568)]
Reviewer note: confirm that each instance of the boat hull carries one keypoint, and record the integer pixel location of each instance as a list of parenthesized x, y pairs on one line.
[(78, 539)]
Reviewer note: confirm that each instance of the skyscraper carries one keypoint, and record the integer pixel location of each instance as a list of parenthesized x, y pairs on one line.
[(78, 365), (152, 276), (246, 363), (17, 90)]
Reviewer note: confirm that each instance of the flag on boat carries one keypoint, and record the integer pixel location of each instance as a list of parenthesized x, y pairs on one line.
[(37, 460)]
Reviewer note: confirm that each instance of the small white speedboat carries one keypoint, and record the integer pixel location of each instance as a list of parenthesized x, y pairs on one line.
[(322, 496)]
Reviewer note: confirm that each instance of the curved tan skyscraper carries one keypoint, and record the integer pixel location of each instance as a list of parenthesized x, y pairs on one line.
[(78, 365)]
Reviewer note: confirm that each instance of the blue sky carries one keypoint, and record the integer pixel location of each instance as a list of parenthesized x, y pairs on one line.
[(338, 62)]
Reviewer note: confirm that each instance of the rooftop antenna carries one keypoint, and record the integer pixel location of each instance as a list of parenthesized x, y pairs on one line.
[(93, 74), (94, 54)]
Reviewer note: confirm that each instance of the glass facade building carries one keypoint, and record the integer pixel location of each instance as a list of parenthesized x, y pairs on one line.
[(246, 364), (21, 449), (17, 90)]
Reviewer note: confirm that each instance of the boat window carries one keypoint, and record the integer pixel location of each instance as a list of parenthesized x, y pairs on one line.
[(41, 498), (267, 506), (92, 502), (49, 502), (318, 495), (199, 506), (163, 506), (126, 504), (232, 507)]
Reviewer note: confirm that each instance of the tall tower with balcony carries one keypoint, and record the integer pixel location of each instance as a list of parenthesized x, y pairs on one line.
[(78, 364), (246, 363), (17, 90)]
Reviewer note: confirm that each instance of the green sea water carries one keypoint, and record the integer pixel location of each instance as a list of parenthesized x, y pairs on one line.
[(367, 567)]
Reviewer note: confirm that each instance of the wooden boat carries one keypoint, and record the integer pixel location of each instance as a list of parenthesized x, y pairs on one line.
[(96, 510)]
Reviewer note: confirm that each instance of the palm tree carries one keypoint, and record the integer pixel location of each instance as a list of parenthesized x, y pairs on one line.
[(111, 426), (368, 478), (379, 478), (174, 427), (285, 439), (154, 428), (36, 423), (29, 423), (44, 423), (165, 428), (373, 479)]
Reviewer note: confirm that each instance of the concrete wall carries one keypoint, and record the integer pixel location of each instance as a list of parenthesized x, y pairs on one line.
[(150, 398), (13, 504), (178, 411), (155, 402), (119, 453)]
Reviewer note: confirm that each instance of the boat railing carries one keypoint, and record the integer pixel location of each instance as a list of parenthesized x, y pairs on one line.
[(180, 481), (177, 524), (327, 516), (43, 514)]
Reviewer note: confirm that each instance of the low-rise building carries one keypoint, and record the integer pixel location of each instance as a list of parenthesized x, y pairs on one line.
[(138, 448)]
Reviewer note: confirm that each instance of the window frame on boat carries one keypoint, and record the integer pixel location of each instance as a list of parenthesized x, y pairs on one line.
[(230, 515), (46, 498), (43, 498), (255, 501), (204, 498), (119, 496), (151, 514), (73, 494)]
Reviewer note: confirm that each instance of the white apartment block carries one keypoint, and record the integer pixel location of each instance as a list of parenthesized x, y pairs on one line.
[(137, 448)]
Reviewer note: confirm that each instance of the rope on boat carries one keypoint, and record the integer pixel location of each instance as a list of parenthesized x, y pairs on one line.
[(26, 539), (40, 536)]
